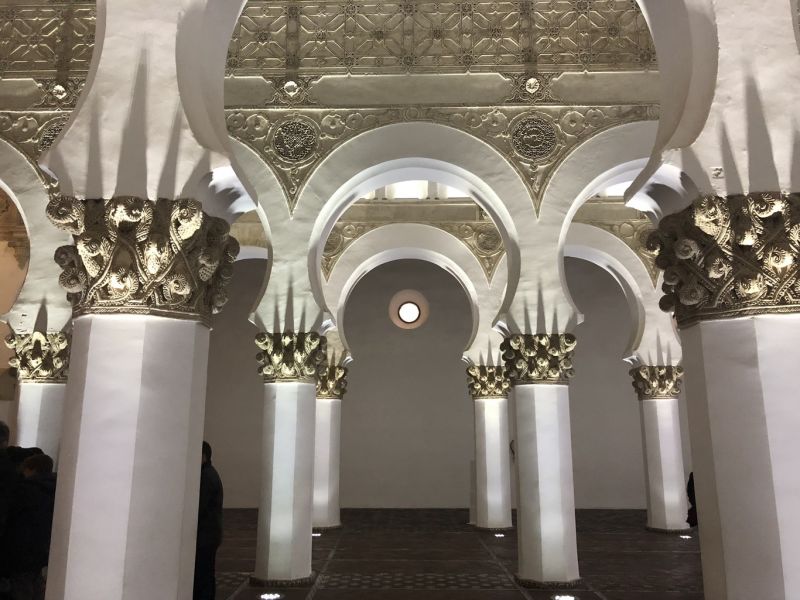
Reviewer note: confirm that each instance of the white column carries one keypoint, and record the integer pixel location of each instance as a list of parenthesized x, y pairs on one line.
[(283, 551), (126, 504), (492, 464), (741, 381), (327, 447), (39, 409), (547, 548), (667, 504)]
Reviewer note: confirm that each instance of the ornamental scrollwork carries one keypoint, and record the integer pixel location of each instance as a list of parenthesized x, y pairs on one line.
[(331, 381), (487, 382), (290, 356), (40, 357), (133, 255), (654, 382), (539, 358), (730, 257)]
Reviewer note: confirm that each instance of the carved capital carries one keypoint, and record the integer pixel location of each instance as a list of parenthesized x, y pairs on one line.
[(652, 382), (40, 357), (133, 255), (331, 381), (487, 382), (539, 358), (730, 257), (290, 356)]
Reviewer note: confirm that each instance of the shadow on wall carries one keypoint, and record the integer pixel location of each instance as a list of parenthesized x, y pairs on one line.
[(235, 397), (407, 419)]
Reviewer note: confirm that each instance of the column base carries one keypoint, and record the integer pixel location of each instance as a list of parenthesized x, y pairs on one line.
[(492, 529), (282, 583), (669, 531), (532, 584)]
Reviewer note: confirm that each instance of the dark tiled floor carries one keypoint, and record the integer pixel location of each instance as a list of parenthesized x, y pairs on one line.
[(435, 555)]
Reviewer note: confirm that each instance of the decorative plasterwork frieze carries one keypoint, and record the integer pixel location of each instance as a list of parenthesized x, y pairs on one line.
[(294, 141), (133, 255), (654, 382), (628, 224), (32, 132), (40, 357), (290, 356), (539, 358), (331, 381), (731, 257), (487, 382), (481, 237)]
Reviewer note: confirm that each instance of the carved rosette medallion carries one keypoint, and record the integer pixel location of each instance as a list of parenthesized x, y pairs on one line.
[(295, 140), (133, 255), (40, 357), (652, 383), (290, 356), (730, 257), (331, 382), (487, 382), (534, 138), (539, 358)]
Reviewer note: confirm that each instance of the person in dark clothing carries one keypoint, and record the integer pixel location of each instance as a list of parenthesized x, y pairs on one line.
[(691, 518), (209, 529), (11, 458), (26, 543)]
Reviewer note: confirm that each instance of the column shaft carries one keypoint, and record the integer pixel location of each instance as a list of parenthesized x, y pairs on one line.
[(126, 504), (744, 424), (326, 462), (492, 464), (667, 504), (39, 410), (547, 548), (283, 551)]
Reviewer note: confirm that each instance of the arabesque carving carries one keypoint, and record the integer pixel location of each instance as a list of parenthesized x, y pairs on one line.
[(331, 381), (487, 382), (731, 257), (654, 382), (40, 357), (133, 255), (290, 356), (539, 358)]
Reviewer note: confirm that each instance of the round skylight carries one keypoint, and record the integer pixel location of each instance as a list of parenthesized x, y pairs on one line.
[(408, 309), (409, 312)]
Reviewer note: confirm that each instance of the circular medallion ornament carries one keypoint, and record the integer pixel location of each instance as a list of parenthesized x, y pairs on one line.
[(295, 141), (534, 138), (488, 239)]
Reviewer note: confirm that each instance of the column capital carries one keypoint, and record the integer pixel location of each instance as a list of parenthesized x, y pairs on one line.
[(290, 356), (331, 381), (654, 382), (487, 382), (40, 357), (539, 358), (137, 256), (730, 257)]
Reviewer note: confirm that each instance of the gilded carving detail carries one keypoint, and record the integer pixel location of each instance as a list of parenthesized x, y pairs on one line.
[(290, 356), (539, 358), (133, 255), (487, 382), (331, 381), (535, 141), (40, 357), (653, 382), (730, 257)]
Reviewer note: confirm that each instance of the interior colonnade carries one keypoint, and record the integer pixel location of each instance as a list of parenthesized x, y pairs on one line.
[(111, 338)]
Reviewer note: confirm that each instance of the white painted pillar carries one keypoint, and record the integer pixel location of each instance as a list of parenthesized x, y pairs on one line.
[(283, 551), (667, 504), (40, 406), (492, 464), (126, 504), (547, 547), (473, 494), (327, 446), (745, 421)]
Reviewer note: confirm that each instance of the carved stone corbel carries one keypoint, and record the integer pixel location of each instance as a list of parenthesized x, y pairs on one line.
[(539, 358), (40, 357), (290, 356), (654, 382), (487, 382)]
